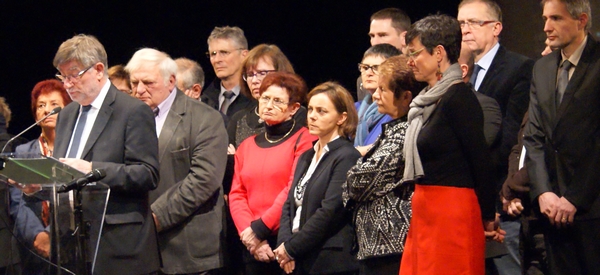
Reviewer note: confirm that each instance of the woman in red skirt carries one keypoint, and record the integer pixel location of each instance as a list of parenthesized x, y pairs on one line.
[(447, 157)]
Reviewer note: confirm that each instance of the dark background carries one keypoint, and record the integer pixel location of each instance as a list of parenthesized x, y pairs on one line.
[(324, 40)]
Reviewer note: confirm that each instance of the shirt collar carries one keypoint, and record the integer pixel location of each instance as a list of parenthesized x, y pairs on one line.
[(97, 103), (235, 90), (165, 106), (574, 58), (486, 61), (326, 148)]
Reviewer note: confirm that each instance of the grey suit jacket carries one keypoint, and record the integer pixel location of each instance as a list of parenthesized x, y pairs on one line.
[(122, 142), (188, 202), (563, 142)]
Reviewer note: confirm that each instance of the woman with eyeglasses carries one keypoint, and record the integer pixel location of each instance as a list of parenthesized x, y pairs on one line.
[(260, 61), (369, 119), (316, 235), (264, 164), (447, 158)]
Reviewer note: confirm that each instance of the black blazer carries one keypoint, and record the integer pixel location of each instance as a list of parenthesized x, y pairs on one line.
[(210, 96), (123, 142), (563, 143), (507, 81), (324, 242)]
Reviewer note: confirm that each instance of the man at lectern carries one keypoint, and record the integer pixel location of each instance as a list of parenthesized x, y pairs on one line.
[(107, 129)]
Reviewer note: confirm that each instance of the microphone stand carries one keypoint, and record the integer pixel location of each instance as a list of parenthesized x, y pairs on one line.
[(81, 233)]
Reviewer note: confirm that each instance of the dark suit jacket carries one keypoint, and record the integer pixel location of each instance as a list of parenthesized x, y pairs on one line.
[(189, 199), (563, 144), (324, 242), (123, 142), (492, 118), (507, 81), (210, 96)]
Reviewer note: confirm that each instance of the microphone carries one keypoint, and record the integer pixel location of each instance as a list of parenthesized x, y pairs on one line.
[(54, 111), (95, 175)]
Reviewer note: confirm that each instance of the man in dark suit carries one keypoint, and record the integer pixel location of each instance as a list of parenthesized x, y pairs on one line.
[(504, 76), (105, 128), (227, 47), (562, 138), (188, 203)]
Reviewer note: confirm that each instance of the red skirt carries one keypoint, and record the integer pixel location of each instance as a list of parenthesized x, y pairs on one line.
[(446, 233)]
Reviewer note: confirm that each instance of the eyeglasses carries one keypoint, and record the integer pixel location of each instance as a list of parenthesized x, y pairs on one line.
[(258, 74), (412, 55), (222, 53), (472, 23), (363, 68), (276, 101), (72, 78)]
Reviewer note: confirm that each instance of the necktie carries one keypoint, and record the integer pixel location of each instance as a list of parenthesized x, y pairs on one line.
[(156, 110), (79, 131), (227, 101), (473, 79), (563, 80)]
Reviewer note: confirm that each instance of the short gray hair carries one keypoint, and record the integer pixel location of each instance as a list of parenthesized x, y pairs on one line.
[(234, 33), (152, 57), (82, 48), (576, 8), (189, 72)]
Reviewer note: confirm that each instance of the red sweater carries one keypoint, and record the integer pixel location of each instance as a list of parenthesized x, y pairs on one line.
[(262, 178)]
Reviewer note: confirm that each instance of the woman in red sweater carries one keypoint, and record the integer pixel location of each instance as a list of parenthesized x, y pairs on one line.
[(264, 166)]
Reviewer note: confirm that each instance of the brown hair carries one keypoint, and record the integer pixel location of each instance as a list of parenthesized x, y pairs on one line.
[(293, 84), (85, 49), (343, 102), (272, 54), (5, 110), (400, 20), (399, 75), (119, 72)]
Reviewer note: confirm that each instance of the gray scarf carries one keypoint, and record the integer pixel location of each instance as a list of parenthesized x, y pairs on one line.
[(421, 108)]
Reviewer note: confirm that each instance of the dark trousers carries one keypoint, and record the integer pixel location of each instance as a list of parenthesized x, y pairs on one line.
[(532, 248), (574, 249), (381, 265)]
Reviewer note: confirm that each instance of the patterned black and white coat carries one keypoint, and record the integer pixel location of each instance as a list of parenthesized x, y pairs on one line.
[(378, 198)]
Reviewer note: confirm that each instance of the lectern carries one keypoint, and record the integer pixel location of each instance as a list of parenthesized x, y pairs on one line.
[(76, 218)]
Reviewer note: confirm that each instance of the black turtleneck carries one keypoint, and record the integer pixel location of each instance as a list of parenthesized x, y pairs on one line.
[(276, 132)]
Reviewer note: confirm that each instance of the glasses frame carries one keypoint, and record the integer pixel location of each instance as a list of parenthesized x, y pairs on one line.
[(478, 23), (411, 55), (373, 68), (276, 101), (72, 78), (263, 74), (223, 53)]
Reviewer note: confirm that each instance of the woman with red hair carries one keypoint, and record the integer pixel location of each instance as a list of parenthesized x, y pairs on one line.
[(264, 164), (45, 96)]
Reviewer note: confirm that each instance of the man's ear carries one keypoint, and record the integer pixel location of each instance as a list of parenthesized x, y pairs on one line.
[(196, 91), (465, 70)]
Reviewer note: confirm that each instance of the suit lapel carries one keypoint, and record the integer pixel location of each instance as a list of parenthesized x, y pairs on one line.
[(576, 79), (64, 137), (497, 64), (102, 119), (173, 120)]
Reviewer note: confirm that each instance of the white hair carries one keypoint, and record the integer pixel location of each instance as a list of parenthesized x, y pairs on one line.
[(152, 57)]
